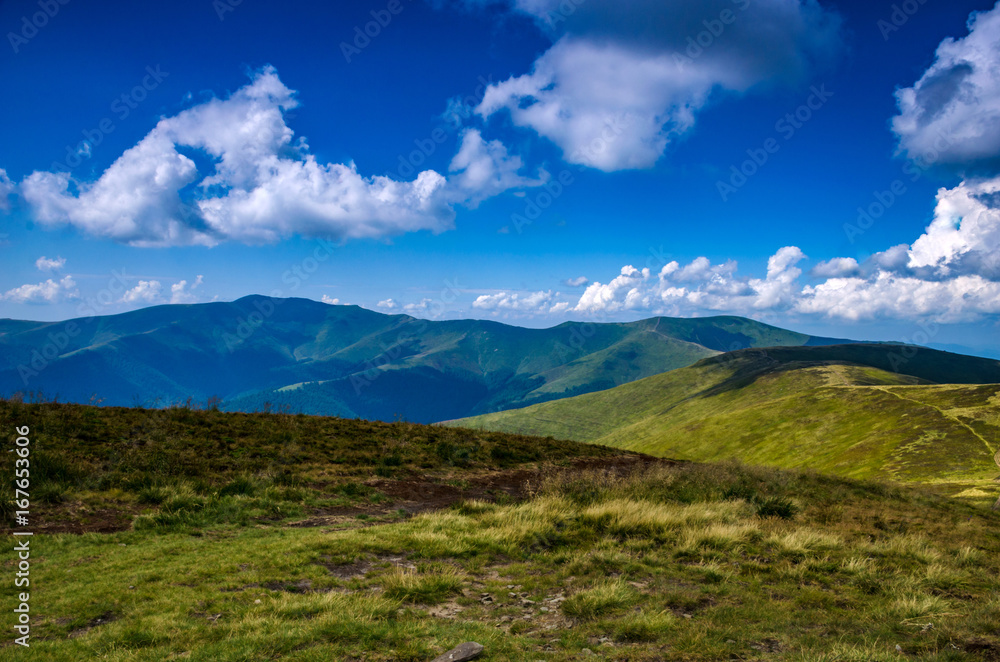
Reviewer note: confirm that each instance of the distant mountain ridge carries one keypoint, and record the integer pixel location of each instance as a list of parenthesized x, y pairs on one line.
[(348, 361)]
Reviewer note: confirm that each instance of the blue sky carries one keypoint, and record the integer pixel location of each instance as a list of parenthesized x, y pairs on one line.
[(195, 151)]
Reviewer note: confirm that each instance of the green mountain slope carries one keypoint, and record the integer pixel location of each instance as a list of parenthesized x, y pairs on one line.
[(834, 409), (261, 353)]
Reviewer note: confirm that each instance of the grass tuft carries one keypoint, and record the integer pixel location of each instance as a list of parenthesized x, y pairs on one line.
[(421, 588), (601, 600)]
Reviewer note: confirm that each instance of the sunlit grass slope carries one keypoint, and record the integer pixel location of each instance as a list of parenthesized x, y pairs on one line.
[(820, 408)]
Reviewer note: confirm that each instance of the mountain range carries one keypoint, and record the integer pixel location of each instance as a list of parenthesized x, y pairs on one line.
[(260, 353)]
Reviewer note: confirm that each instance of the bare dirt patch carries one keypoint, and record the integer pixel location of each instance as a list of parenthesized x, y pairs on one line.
[(984, 648), (416, 495), (97, 621)]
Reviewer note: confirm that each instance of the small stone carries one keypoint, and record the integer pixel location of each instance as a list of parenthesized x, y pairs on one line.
[(467, 651), (586, 651), (687, 615), (544, 610), (730, 641), (257, 601)]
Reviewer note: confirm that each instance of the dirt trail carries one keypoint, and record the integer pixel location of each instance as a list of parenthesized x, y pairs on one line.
[(994, 452)]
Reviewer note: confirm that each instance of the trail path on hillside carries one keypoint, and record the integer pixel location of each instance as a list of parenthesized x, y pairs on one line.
[(993, 451)]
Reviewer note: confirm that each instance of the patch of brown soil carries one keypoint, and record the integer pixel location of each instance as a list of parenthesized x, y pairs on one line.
[(419, 495), (72, 518)]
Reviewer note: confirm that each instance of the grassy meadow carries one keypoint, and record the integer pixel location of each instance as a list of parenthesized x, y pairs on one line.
[(200, 535), (687, 562)]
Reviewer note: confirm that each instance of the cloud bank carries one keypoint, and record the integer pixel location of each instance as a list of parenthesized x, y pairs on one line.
[(949, 274)]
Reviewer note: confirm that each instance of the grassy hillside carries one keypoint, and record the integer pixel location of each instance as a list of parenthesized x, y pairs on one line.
[(108, 468), (310, 357), (234, 537), (824, 408), (688, 562)]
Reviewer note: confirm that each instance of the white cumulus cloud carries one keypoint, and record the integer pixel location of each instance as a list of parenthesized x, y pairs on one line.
[(836, 268), (528, 302), (262, 185), (964, 237), (625, 79), (890, 295), (482, 170), (50, 264), (622, 292), (951, 115), (421, 306), (183, 292), (50, 291), (145, 291)]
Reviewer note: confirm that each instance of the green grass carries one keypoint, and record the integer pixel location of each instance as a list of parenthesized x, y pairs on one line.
[(660, 562), (772, 407), (427, 588), (602, 599), (670, 563), (106, 468)]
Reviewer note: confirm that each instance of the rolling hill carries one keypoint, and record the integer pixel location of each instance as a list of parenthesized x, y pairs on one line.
[(261, 353), (853, 410)]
